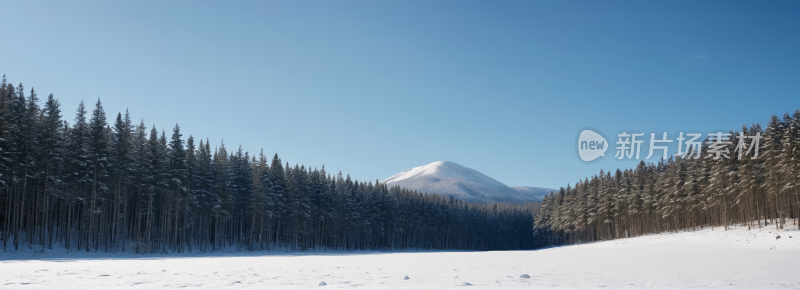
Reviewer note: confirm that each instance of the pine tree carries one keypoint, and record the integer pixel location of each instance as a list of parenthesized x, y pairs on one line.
[(278, 194), (121, 165), (178, 174), (772, 157), (268, 203), (98, 153), (143, 185), (790, 163), (6, 155), (52, 162), (192, 201)]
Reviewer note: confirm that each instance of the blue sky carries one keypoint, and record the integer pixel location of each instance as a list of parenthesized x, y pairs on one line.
[(372, 88)]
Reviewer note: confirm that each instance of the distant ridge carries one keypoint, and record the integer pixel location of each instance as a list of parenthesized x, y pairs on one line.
[(535, 193)]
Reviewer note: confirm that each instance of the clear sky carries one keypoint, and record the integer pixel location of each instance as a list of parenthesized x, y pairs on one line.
[(372, 88)]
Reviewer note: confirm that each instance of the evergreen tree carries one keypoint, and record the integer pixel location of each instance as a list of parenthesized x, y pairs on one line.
[(98, 153), (52, 162)]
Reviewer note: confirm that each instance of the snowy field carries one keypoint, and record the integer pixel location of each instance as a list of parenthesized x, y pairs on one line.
[(736, 259)]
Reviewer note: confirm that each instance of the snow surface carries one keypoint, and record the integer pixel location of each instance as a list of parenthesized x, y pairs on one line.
[(703, 259), (447, 178)]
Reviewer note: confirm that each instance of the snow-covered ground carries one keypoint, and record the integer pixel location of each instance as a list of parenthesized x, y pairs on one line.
[(706, 259)]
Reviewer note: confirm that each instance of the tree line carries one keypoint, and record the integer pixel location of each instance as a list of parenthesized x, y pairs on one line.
[(95, 186), (685, 193)]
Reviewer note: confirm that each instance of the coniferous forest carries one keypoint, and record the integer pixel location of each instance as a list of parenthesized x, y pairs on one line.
[(685, 193), (111, 185), (115, 186)]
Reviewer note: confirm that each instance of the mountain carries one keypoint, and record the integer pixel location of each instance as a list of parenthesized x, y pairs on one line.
[(534, 193), (447, 178)]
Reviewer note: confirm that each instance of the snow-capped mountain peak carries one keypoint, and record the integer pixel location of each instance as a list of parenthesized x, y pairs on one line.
[(444, 170), (447, 178)]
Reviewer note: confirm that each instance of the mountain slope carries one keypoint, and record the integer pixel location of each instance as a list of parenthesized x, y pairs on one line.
[(448, 178), (534, 193)]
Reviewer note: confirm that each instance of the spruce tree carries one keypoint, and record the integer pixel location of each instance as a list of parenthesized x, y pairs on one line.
[(98, 153)]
